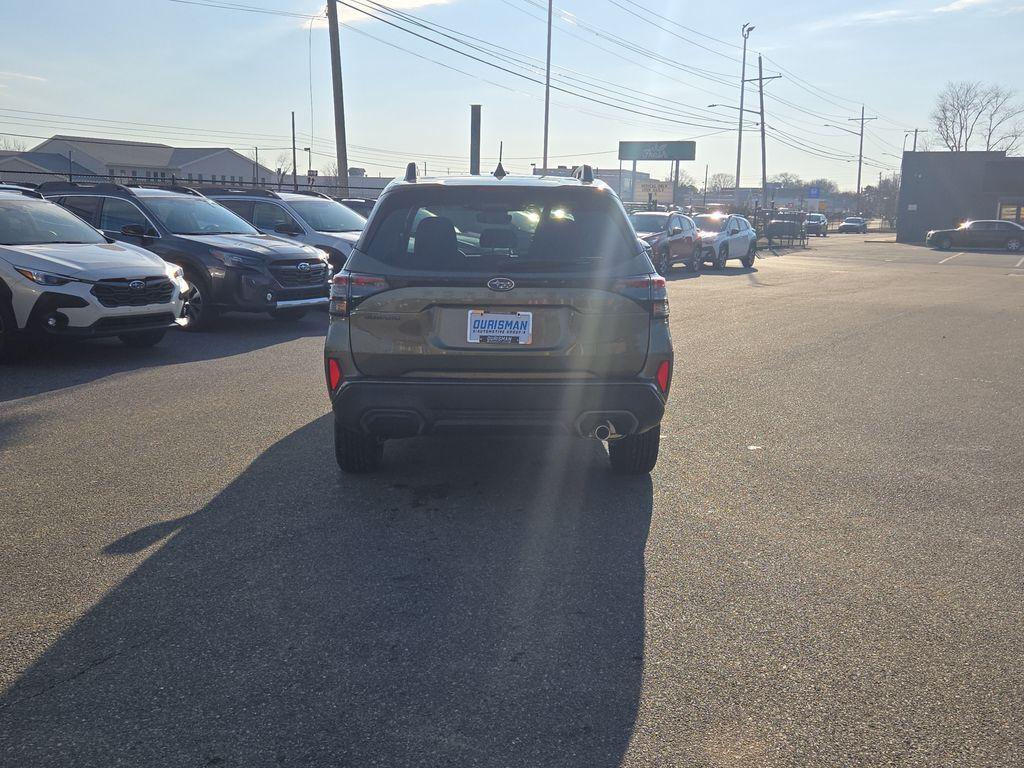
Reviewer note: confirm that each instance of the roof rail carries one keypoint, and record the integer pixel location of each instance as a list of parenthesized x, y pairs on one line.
[(309, 192), (7, 187), (410, 172), (169, 187), (54, 187), (236, 191), (584, 173)]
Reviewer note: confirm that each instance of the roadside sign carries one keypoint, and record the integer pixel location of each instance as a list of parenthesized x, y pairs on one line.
[(659, 191), (822, 205), (313, 172), (814, 192), (657, 150)]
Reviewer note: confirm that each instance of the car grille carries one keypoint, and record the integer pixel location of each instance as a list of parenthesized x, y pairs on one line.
[(128, 322), (289, 275), (119, 292)]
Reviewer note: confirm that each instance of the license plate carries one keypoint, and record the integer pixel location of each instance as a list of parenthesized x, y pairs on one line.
[(499, 327)]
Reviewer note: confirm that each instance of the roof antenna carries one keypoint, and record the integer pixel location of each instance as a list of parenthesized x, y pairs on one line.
[(410, 172), (499, 172)]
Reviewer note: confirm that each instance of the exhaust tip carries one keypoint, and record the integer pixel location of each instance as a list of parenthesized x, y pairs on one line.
[(601, 432)]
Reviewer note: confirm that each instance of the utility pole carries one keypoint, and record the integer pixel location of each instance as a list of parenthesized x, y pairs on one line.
[(339, 98), (255, 165), (860, 151), (295, 170), (764, 162), (745, 31), (706, 187), (474, 139), (547, 89)]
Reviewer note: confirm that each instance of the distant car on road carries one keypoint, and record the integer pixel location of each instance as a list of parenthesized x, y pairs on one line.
[(725, 237), (672, 237), (228, 263), (308, 217), (854, 224), (61, 277), (816, 224), (979, 234)]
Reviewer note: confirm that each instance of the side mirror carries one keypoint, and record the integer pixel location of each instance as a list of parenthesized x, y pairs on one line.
[(734, 231), (287, 229), (134, 230), (676, 231)]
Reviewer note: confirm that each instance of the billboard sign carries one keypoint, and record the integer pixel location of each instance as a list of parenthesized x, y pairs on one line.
[(657, 150)]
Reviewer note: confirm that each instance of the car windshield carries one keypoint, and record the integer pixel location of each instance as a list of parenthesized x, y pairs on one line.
[(709, 222), (37, 222), (483, 230), (648, 222), (186, 215), (328, 216)]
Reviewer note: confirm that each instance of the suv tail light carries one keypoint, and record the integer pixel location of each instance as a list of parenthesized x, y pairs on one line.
[(664, 376), (334, 375), (349, 289), (648, 290)]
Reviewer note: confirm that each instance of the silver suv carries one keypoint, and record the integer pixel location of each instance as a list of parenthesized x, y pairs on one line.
[(308, 217), (512, 304), (61, 277)]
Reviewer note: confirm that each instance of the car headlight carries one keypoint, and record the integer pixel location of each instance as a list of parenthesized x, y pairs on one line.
[(44, 278), (175, 272), (237, 260)]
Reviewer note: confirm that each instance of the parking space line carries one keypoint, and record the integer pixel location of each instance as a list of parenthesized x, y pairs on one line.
[(950, 258), (1019, 264)]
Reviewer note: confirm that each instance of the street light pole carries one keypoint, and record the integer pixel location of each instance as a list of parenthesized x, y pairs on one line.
[(547, 88), (745, 31), (340, 141)]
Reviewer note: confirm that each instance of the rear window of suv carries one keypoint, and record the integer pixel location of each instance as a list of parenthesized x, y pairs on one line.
[(516, 229)]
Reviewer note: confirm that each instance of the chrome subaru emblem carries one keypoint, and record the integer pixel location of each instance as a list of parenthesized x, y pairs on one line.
[(500, 284), (137, 285), (304, 267)]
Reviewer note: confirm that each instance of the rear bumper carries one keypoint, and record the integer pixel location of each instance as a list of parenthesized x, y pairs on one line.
[(400, 408)]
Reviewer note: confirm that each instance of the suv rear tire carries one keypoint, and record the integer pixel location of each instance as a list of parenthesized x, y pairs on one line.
[(697, 260), (635, 454), (723, 256), (355, 452), (748, 260), (664, 265), (141, 339)]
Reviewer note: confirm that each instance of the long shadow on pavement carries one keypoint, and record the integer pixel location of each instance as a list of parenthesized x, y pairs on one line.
[(476, 603), (54, 366)]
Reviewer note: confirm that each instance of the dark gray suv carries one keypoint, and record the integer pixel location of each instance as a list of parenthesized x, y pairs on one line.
[(506, 304)]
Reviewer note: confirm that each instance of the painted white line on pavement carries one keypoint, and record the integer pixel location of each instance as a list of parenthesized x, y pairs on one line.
[(1019, 263), (950, 258)]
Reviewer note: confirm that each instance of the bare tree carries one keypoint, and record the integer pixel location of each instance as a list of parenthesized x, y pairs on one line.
[(1002, 120), (11, 144), (956, 114), (284, 165), (786, 179), (827, 186), (720, 181)]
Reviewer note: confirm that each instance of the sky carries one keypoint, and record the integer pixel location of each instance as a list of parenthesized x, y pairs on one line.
[(185, 73)]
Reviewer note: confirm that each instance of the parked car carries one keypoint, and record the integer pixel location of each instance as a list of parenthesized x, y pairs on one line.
[(853, 224), (228, 264), (308, 217), (555, 322), (672, 236), (724, 236), (979, 234), (816, 224), (61, 277), (360, 205)]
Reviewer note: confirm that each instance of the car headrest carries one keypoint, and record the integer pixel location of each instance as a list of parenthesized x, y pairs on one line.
[(436, 240)]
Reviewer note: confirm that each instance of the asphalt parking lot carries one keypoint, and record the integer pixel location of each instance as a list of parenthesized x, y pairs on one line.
[(825, 569)]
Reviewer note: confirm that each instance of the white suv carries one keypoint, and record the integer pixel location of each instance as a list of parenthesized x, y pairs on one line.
[(61, 277)]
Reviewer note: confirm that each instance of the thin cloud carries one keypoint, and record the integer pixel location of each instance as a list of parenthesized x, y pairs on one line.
[(961, 5), (21, 76), (883, 16), (348, 15)]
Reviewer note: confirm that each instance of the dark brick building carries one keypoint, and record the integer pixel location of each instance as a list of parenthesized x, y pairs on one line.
[(944, 189)]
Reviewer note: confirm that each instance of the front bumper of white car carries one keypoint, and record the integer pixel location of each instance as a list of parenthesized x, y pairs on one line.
[(107, 307)]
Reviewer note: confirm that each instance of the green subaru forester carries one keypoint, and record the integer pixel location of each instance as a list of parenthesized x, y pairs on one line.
[(498, 304)]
